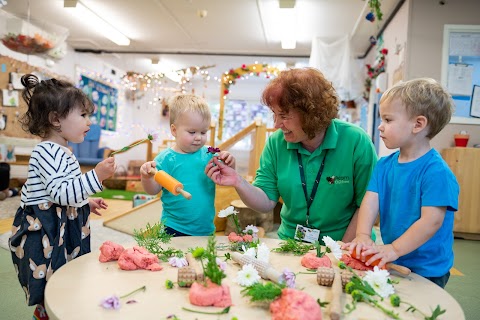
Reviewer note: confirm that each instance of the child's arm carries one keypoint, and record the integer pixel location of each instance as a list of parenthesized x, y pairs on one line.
[(366, 218), (421, 231), (227, 158), (147, 173)]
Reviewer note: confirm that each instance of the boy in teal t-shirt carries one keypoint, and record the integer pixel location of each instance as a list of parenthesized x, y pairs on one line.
[(190, 120)]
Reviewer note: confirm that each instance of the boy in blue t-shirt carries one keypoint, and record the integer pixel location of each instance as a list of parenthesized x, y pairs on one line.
[(414, 190)]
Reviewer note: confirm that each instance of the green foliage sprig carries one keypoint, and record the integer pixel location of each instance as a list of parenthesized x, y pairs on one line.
[(362, 291), (260, 292), (152, 239), (375, 7), (396, 301), (211, 270), (296, 247)]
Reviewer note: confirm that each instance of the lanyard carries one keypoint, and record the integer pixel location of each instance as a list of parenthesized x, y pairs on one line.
[(315, 185)]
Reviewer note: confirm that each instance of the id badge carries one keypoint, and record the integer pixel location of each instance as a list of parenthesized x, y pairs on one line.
[(306, 234)]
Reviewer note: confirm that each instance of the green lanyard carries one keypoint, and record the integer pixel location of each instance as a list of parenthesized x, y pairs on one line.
[(315, 185)]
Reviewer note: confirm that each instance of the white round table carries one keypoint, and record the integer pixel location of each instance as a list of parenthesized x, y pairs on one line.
[(76, 290)]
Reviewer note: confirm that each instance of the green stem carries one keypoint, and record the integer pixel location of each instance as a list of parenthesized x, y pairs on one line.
[(139, 289), (414, 308), (129, 147), (226, 310), (237, 225), (386, 311)]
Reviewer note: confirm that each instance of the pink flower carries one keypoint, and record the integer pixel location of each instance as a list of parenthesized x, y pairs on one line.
[(248, 238)]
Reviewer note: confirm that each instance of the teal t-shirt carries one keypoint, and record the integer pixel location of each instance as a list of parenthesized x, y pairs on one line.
[(195, 216), (349, 163)]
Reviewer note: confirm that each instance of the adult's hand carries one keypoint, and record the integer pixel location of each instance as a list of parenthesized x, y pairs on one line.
[(221, 174)]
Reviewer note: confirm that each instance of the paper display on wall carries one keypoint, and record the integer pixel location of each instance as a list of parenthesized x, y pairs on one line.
[(475, 103), (460, 79), (10, 98)]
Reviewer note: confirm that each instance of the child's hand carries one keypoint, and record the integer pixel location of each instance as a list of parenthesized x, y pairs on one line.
[(106, 168), (97, 203), (227, 158), (360, 242), (148, 169), (386, 253)]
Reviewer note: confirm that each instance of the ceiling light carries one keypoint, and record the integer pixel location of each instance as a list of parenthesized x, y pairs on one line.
[(94, 21), (289, 20)]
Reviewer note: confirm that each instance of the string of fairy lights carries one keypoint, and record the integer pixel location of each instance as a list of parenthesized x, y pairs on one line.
[(153, 89)]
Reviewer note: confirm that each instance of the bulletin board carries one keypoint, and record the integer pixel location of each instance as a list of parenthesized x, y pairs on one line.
[(104, 98), (12, 106), (461, 70)]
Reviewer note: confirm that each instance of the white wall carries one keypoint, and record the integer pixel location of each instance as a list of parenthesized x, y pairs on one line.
[(419, 25)]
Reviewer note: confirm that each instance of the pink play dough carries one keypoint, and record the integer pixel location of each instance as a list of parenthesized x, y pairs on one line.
[(110, 251), (311, 261), (295, 304), (211, 295), (138, 258)]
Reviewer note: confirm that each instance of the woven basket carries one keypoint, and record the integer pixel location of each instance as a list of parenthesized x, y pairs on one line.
[(118, 181)]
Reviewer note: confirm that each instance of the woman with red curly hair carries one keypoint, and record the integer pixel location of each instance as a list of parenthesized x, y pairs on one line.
[(318, 165)]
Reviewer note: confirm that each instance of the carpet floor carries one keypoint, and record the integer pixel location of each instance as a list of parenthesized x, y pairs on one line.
[(8, 207)]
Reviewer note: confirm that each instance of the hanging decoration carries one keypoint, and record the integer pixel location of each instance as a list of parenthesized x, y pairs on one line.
[(230, 77), (25, 36), (374, 70), (370, 17), (375, 11), (187, 74), (136, 84)]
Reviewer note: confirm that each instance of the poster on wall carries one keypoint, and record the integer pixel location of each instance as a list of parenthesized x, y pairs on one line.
[(104, 98), (10, 98)]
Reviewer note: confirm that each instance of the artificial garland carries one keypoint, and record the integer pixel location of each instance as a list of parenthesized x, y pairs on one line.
[(375, 11), (374, 70)]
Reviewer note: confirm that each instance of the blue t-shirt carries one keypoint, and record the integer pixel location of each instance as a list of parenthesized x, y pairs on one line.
[(403, 189), (194, 216)]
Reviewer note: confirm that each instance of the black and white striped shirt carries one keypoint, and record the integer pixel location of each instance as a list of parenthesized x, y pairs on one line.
[(54, 176)]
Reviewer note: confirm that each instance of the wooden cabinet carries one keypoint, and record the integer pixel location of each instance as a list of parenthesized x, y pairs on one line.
[(465, 164)]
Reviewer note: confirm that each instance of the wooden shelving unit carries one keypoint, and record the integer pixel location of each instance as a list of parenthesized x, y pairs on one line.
[(465, 164)]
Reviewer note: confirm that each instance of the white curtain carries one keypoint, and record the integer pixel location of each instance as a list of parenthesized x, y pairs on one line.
[(335, 60)]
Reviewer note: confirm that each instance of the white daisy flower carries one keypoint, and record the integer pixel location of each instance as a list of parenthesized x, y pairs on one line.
[(378, 279), (333, 246), (263, 252), (247, 276), (249, 252), (227, 212), (250, 227)]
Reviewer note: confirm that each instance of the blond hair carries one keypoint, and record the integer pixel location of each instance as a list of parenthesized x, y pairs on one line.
[(184, 103), (423, 97)]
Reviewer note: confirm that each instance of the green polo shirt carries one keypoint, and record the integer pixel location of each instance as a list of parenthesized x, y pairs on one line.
[(349, 162)]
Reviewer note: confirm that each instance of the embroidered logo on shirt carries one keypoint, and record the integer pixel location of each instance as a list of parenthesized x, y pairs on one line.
[(338, 180)]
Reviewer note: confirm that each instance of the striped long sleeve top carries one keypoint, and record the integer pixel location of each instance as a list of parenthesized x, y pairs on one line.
[(54, 176)]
